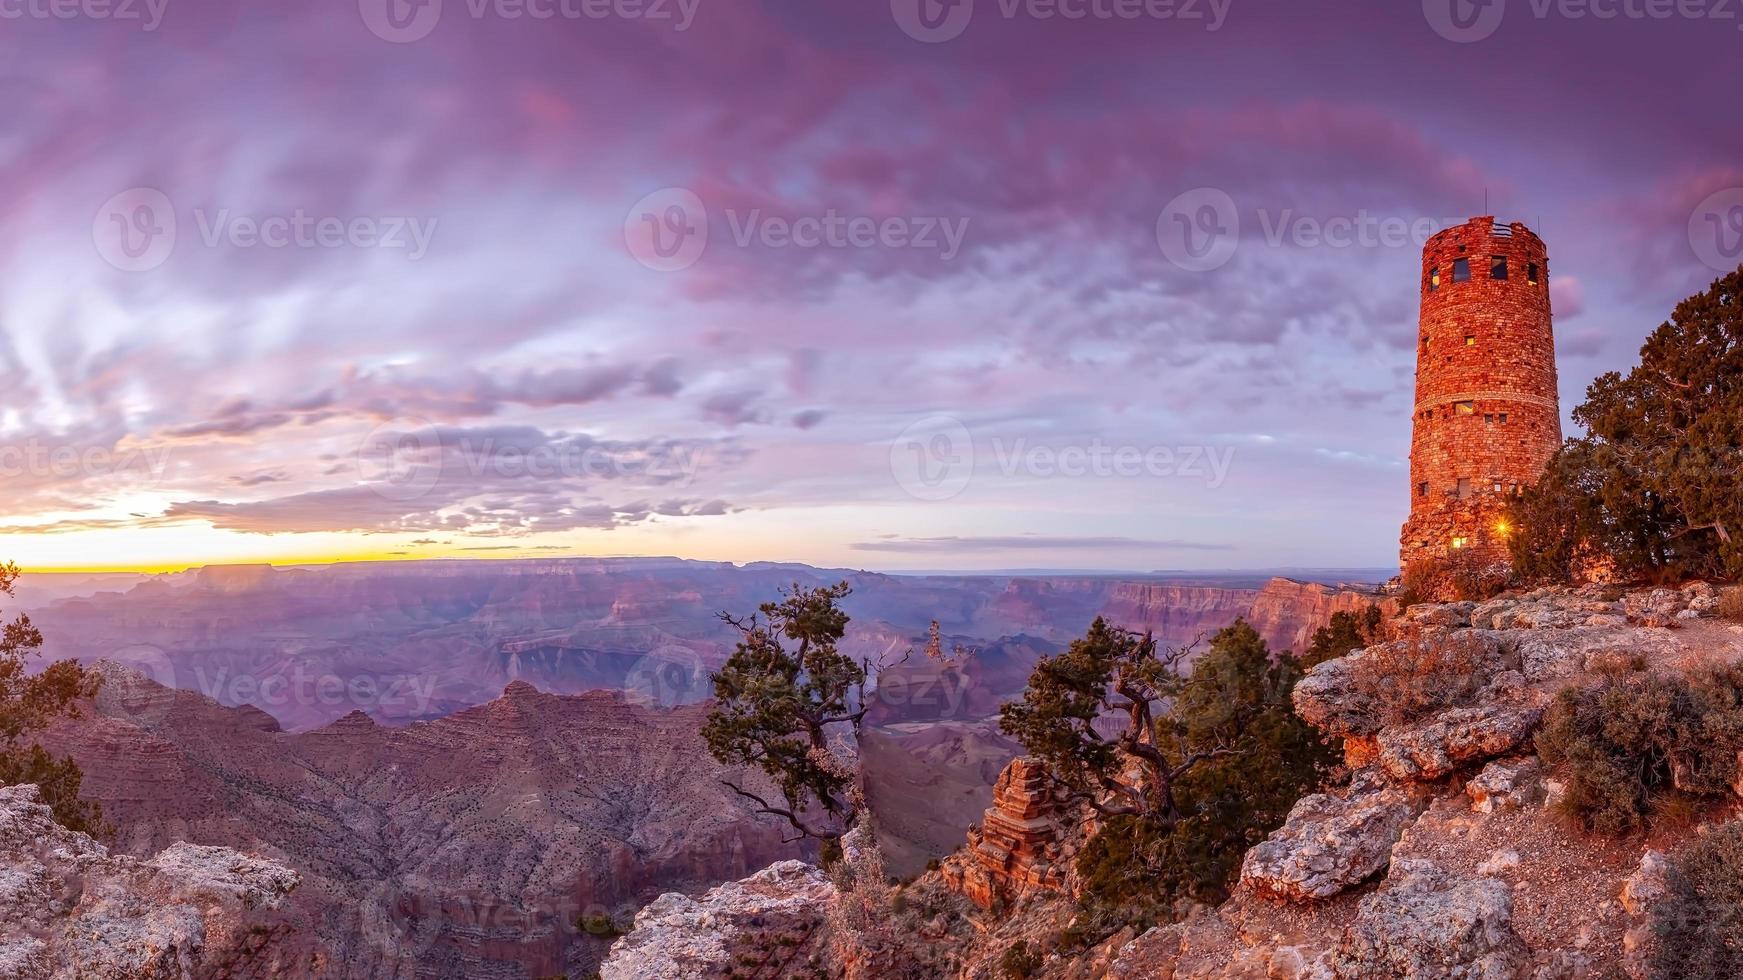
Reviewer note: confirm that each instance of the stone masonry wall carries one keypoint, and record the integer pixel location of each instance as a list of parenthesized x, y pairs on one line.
[(1487, 417)]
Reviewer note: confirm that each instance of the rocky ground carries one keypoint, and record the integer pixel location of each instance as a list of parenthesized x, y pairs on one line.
[(1441, 857), (71, 910)]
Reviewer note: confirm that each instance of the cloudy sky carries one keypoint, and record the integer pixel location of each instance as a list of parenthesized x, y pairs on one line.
[(886, 284)]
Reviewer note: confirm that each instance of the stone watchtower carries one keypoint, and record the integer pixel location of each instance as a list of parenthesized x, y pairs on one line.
[(1487, 415)]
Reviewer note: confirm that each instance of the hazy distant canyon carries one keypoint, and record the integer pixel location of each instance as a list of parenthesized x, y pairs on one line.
[(420, 741), (416, 640)]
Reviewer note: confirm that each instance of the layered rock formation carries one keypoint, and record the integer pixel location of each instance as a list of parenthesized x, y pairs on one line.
[(70, 910), (472, 846), (1017, 850)]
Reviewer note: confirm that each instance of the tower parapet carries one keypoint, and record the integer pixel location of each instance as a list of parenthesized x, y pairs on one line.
[(1487, 416)]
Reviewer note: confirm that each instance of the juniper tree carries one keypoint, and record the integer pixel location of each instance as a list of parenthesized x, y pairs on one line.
[(1186, 769), (30, 703), (1655, 485), (782, 700)]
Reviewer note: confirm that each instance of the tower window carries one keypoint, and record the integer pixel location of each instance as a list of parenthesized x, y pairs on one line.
[(1460, 542), (1488, 418), (1497, 267), (1503, 418), (1461, 270), (1422, 489), (1531, 273), (1465, 408), (1434, 279), (1497, 486), (1470, 340)]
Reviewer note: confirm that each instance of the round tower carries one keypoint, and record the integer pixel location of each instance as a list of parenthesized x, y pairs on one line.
[(1487, 415)]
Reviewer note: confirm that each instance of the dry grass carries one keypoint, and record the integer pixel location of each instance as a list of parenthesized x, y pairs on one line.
[(1731, 604), (1419, 677)]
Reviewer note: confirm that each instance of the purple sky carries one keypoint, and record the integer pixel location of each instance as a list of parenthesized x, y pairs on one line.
[(413, 302)]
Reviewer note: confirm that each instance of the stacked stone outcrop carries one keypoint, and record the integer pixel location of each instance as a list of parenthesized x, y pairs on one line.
[(1017, 851)]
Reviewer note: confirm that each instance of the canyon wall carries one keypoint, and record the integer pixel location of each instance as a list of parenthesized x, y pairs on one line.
[(473, 845)]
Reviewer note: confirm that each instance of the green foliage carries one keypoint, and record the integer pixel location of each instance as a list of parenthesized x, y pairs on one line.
[(1699, 922), (1219, 752), (1346, 633), (1652, 490), (30, 703), (600, 926), (1454, 577), (1633, 739), (59, 781), (1019, 962), (780, 697)]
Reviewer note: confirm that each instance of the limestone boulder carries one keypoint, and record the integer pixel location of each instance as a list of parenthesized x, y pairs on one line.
[(1452, 739), (770, 922), (1546, 609), (1655, 607), (1547, 654), (1446, 615), (1646, 885), (1506, 783), (1427, 923), (1331, 843)]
